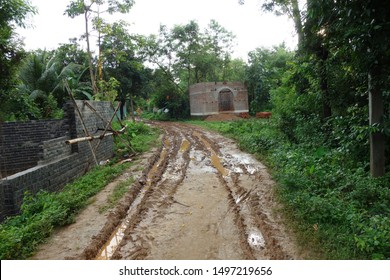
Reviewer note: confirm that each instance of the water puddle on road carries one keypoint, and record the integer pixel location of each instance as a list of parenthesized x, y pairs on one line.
[(184, 145), (111, 245), (239, 160), (155, 167), (256, 240), (215, 159)]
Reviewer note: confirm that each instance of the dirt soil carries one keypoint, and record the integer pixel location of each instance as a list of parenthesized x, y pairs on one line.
[(197, 197), (222, 117)]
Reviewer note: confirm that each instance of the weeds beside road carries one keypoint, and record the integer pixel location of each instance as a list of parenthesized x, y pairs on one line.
[(338, 210)]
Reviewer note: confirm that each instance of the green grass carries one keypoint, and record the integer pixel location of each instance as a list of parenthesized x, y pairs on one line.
[(337, 209), (138, 138), (40, 214), (120, 189)]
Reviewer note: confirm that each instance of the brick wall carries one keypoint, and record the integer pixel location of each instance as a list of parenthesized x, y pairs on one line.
[(50, 163), (204, 97), (21, 143)]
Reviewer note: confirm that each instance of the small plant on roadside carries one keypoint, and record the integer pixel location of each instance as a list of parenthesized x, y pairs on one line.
[(120, 189), (137, 138)]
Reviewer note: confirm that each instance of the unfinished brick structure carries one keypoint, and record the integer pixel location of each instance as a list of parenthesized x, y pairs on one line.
[(34, 156), (218, 97)]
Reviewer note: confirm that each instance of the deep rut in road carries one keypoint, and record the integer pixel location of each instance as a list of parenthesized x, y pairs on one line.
[(199, 197)]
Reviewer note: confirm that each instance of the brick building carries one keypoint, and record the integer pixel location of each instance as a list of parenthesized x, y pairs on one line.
[(218, 97)]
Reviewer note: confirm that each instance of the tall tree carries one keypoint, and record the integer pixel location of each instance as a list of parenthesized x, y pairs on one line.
[(119, 59), (92, 10), (220, 42), (361, 30), (188, 55), (264, 72), (13, 13), (318, 31), (186, 40)]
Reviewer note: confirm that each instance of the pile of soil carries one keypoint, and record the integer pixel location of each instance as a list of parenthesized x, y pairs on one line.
[(222, 117)]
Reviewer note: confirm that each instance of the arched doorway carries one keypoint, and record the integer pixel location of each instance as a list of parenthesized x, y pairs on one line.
[(225, 100)]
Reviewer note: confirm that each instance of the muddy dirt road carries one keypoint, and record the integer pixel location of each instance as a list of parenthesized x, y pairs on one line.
[(198, 197)]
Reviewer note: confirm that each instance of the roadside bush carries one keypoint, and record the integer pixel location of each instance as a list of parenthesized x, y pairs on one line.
[(374, 237), (349, 134), (338, 209), (137, 138), (20, 235)]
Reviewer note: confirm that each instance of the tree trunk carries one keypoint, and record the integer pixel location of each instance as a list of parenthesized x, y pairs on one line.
[(296, 14), (121, 109), (376, 111), (100, 61), (132, 107), (93, 82)]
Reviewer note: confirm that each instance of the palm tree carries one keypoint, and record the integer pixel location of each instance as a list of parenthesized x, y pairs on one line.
[(80, 89), (42, 79)]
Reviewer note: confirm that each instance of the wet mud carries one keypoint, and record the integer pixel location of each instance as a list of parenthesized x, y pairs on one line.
[(198, 197)]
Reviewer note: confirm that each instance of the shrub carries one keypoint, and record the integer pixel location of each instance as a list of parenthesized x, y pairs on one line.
[(335, 205)]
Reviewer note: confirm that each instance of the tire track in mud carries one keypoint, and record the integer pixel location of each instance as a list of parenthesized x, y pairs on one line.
[(193, 201), (234, 207), (160, 197)]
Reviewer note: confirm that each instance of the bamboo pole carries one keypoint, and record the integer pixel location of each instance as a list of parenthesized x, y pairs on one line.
[(122, 130), (95, 111), (108, 125), (119, 119), (88, 138), (81, 119)]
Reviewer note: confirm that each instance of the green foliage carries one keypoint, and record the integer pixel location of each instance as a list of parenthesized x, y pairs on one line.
[(350, 133), (338, 209), (79, 7), (12, 14), (374, 237), (264, 72), (40, 91), (19, 107), (20, 235), (41, 79), (108, 90), (168, 97), (138, 138)]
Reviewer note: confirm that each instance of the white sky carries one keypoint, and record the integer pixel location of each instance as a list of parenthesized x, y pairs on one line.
[(251, 27)]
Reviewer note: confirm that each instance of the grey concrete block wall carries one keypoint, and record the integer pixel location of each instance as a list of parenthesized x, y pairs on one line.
[(54, 149), (95, 126), (56, 163), (21, 143)]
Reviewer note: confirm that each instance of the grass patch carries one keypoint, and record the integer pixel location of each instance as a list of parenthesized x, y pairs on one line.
[(40, 214), (138, 138), (120, 189), (337, 209)]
